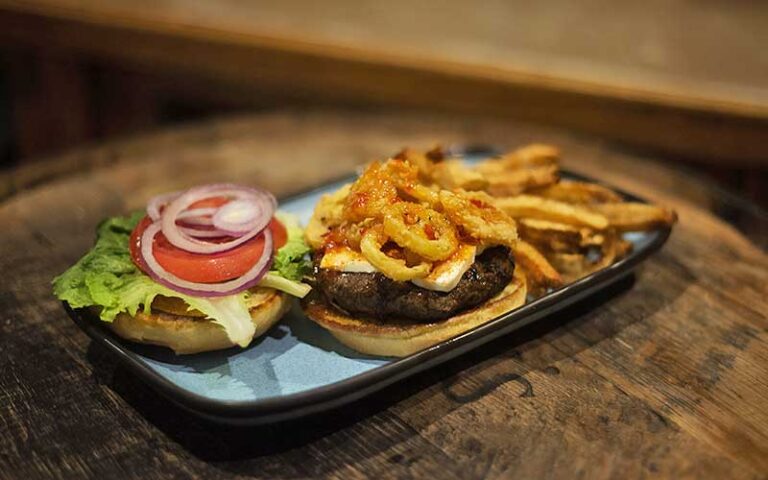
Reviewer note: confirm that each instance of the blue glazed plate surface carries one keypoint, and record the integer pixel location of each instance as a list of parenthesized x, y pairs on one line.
[(298, 368)]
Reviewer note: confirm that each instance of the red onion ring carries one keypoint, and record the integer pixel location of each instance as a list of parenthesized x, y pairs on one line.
[(239, 216), (157, 202), (197, 216), (162, 276), (180, 239), (204, 233)]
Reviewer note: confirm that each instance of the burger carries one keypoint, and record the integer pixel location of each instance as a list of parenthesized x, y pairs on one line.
[(401, 264), (204, 269)]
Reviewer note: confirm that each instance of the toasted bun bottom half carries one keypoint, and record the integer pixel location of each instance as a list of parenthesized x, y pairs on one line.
[(192, 334), (401, 338)]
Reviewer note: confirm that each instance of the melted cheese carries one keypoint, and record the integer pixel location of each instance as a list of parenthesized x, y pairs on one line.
[(345, 259), (444, 276)]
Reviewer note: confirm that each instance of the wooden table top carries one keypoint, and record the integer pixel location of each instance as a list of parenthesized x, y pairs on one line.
[(663, 375), (639, 74)]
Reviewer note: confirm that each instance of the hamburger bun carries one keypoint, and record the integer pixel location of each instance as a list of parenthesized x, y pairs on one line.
[(192, 333), (399, 338)]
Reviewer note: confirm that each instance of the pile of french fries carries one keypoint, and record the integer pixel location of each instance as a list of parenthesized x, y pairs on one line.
[(567, 229)]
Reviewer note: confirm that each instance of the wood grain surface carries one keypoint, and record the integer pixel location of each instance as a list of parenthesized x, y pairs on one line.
[(685, 77), (663, 375)]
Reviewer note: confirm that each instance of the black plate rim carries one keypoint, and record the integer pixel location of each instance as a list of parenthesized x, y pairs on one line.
[(321, 398)]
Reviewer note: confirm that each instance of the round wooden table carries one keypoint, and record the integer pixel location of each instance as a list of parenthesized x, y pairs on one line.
[(663, 375)]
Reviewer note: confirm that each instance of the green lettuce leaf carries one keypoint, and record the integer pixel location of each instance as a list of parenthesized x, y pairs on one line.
[(291, 261), (107, 278), (291, 287)]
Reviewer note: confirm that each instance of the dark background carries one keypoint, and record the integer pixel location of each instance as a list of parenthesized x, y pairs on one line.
[(683, 82)]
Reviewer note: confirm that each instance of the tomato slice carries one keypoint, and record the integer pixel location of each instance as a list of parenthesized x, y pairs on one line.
[(279, 233), (205, 268), (211, 202)]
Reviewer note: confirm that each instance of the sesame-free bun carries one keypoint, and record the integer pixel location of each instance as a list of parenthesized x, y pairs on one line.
[(186, 334), (401, 338)]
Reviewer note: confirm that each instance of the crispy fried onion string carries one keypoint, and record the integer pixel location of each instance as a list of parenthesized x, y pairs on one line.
[(479, 219), (421, 230), (371, 244), (368, 196), (405, 176)]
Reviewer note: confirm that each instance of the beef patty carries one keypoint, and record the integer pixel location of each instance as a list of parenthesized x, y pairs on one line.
[(375, 295)]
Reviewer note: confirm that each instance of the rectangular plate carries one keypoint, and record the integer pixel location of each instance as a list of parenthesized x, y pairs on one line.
[(298, 368)]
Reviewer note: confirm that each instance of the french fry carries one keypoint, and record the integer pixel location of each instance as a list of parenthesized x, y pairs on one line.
[(571, 266), (521, 206), (575, 265), (571, 227), (515, 182), (623, 248), (592, 239), (552, 236), (451, 174), (572, 191), (534, 155), (533, 166), (538, 270), (613, 248), (633, 216)]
